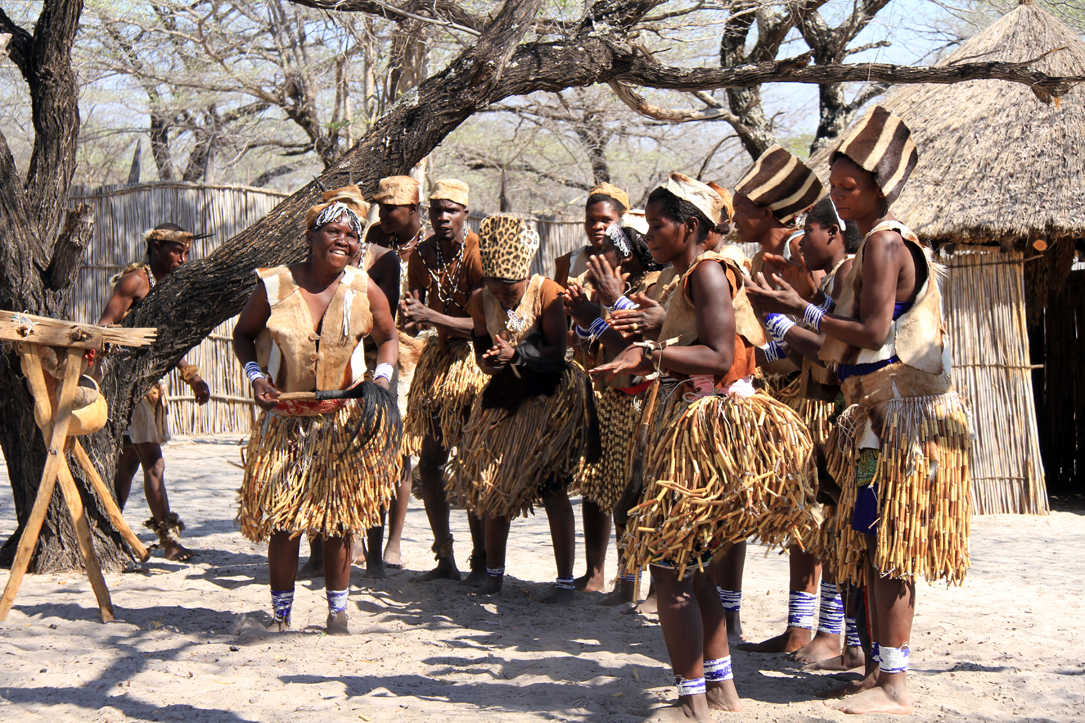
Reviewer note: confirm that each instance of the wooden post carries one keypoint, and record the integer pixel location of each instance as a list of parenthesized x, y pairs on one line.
[(108, 502), (57, 440), (32, 332)]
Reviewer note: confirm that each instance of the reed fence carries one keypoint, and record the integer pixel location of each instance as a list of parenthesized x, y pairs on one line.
[(984, 306), (121, 215)]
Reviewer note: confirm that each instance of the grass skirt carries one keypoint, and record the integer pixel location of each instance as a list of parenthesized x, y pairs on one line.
[(603, 482), (923, 482), (330, 474), (505, 458), (446, 382), (718, 470), (814, 413)]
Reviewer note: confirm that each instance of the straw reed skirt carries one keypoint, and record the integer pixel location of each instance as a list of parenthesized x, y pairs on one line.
[(820, 540), (446, 382), (919, 466), (718, 470), (603, 482), (505, 459), (329, 474)]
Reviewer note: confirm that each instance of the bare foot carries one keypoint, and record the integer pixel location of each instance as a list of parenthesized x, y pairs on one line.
[(490, 586), (360, 554), (560, 596), (723, 696), (789, 641), (446, 570), (851, 687), (590, 583), (734, 626), (176, 552), (646, 607), (687, 708), (393, 558), (822, 647), (476, 578), (852, 658), (882, 698), (624, 593), (337, 623)]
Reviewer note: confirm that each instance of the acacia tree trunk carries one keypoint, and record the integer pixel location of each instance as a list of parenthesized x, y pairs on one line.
[(38, 265)]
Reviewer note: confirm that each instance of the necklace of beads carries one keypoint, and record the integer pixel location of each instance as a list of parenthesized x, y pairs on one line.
[(445, 267)]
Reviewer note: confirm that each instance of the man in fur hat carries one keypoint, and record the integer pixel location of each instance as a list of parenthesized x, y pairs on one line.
[(167, 248)]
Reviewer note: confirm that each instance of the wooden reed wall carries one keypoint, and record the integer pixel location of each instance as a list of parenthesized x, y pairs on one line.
[(121, 215), (984, 305)]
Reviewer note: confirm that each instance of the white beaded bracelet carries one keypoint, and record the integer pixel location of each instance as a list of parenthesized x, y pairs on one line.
[(383, 371), (813, 315), (777, 326), (253, 372)]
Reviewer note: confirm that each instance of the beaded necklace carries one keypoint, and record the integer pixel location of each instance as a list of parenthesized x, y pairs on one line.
[(445, 268)]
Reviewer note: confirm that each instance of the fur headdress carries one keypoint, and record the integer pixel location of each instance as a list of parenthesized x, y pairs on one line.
[(172, 235), (728, 202), (882, 145), (610, 191), (507, 245), (399, 191), (347, 200), (699, 194), (781, 182), (449, 189)]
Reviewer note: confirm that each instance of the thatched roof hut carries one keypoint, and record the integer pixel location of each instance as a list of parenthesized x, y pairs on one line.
[(999, 188), (996, 164)]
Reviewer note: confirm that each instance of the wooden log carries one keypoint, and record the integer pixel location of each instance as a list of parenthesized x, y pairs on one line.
[(110, 505), (86, 542), (16, 326), (58, 436)]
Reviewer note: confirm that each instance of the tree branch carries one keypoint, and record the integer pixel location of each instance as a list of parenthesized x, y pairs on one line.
[(483, 163), (68, 252), (446, 15), (55, 113), (642, 72), (20, 47)]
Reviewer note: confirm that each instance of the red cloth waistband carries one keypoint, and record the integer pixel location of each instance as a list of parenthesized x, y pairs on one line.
[(637, 389)]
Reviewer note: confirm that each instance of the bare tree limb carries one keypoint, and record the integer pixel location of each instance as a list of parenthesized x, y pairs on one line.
[(20, 47), (483, 163)]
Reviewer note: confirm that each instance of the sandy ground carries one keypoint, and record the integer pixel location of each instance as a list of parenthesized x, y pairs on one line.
[(188, 644)]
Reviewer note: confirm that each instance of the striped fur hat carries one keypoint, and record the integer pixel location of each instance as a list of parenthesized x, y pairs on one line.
[(781, 182), (172, 233), (882, 145)]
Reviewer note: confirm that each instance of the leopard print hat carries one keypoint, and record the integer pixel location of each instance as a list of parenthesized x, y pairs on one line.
[(507, 245)]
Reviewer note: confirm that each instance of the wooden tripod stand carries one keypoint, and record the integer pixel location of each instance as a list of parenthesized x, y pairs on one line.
[(53, 411)]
